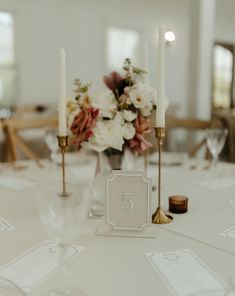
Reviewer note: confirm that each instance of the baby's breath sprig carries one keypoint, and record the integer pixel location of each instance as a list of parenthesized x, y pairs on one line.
[(81, 88), (128, 67)]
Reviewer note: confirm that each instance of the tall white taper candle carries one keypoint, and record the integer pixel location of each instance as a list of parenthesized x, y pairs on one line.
[(62, 99), (146, 62), (160, 114)]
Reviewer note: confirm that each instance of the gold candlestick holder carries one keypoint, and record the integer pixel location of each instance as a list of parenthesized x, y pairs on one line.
[(159, 217), (63, 143), (146, 162)]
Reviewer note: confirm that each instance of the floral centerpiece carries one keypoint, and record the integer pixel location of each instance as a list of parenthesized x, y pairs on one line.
[(115, 118)]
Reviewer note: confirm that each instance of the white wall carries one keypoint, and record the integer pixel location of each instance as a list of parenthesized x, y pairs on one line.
[(225, 21), (42, 27), (203, 20)]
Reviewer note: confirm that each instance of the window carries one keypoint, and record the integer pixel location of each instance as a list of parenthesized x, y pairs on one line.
[(121, 44), (7, 59), (223, 76)]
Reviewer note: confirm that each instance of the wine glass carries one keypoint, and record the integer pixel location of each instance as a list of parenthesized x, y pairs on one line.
[(215, 138), (63, 216), (51, 141)]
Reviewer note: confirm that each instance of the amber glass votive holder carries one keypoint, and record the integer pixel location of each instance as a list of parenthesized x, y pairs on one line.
[(178, 204)]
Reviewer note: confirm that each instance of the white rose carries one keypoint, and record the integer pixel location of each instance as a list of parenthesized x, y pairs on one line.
[(146, 110), (119, 118), (128, 131), (129, 115), (140, 95), (107, 133), (106, 103)]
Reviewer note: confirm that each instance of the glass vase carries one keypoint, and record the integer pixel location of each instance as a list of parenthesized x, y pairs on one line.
[(107, 161)]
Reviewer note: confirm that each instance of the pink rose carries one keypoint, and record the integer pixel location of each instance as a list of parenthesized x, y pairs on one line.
[(83, 124), (142, 127)]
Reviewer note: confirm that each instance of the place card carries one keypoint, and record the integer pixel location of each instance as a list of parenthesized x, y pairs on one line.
[(28, 269), (127, 212), (5, 225), (185, 274), (229, 233), (15, 183)]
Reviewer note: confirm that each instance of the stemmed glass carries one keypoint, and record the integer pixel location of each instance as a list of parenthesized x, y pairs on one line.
[(63, 217), (215, 138), (51, 141)]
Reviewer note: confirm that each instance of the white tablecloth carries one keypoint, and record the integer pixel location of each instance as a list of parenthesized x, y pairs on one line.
[(115, 265)]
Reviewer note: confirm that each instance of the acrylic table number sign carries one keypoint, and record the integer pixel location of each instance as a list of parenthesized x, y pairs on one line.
[(128, 205)]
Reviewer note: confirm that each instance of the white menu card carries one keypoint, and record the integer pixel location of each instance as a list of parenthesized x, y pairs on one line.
[(229, 233), (29, 268), (232, 203), (5, 225), (185, 274)]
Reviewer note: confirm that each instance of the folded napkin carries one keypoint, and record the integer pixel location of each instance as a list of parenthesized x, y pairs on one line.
[(218, 183)]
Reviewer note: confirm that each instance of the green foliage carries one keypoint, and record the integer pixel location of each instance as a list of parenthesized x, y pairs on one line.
[(81, 88), (127, 66)]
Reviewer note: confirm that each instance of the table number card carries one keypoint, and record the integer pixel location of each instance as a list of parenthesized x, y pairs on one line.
[(128, 204), (185, 274)]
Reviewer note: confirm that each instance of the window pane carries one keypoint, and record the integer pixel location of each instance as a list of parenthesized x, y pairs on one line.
[(223, 70), (7, 60), (7, 39), (121, 44)]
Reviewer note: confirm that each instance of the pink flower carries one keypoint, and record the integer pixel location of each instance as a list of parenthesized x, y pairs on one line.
[(142, 127), (113, 81), (124, 99), (83, 124)]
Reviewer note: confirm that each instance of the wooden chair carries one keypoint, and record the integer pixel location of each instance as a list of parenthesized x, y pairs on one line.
[(228, 117), (38, 109), (11, 127), (193, 124)]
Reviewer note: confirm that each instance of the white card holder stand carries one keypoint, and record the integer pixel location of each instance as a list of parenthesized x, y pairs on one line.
[(128, 205)]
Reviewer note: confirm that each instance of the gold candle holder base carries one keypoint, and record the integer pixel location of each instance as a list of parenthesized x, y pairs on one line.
[(63, 143), (159, 217)]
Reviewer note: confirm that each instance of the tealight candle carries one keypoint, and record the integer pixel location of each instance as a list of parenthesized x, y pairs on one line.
[(178, 204)]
